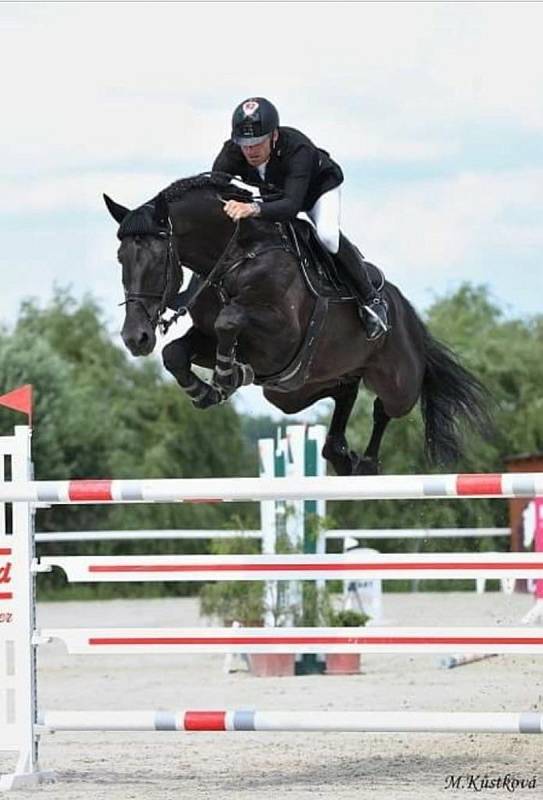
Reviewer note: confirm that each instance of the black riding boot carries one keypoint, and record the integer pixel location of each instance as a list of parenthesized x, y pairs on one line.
[(372, 307)]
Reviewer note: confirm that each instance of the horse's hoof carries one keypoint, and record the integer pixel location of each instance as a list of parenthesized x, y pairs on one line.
[(211, 398), (341, 459), (365, 466)]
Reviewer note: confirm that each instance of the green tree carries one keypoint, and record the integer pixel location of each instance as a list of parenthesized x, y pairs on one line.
[(99, 414)]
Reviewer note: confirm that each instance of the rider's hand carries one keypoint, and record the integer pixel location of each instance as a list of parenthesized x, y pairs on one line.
[(237, 210)]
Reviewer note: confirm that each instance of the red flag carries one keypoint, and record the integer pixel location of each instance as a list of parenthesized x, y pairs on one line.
[(19, 400)]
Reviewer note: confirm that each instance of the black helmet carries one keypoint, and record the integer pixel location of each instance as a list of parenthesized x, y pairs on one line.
[(253, 121)]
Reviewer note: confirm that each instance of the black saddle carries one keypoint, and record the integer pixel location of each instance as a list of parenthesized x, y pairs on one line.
[(320, 268)]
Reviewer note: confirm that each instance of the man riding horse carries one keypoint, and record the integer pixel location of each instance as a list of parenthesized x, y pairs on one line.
[(256, 317), (263, 151)]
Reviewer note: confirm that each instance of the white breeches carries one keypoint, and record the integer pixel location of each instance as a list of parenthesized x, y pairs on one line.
[(326, 215)]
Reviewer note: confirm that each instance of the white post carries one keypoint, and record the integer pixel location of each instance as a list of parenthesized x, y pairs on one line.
[(17, 621), (295, 468), (266, 448), (318, 434)]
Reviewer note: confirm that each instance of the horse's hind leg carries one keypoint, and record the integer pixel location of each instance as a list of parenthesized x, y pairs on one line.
[(178, 357), (336, 449), (380, 422)]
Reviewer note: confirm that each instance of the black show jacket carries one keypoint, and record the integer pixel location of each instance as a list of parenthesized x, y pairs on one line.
[(300, 169)]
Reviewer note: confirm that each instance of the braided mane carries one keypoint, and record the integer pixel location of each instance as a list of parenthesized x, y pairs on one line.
[(215, 180), (140, 221)]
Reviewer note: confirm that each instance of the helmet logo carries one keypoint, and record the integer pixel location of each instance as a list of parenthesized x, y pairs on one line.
[(249, 107)]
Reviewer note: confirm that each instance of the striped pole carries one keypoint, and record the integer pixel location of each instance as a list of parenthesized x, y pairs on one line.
[(82, 641), (249, 720), (217, 490), (370, 566)]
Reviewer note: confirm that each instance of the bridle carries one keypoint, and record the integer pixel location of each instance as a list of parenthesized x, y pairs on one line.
[(173, 270)]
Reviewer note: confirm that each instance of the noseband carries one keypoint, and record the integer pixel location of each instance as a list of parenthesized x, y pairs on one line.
[(172, 268)]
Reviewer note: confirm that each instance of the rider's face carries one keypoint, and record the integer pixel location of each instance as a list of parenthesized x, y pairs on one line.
[(258, 154)]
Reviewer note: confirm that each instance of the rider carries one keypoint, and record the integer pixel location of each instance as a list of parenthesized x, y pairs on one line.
[(260, 150)]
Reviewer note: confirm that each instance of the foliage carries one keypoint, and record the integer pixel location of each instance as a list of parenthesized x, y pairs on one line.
[(235, 601), (100, 414), (347, 619)]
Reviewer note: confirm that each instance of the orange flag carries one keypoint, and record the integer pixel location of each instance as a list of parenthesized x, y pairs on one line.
[(19, 400)]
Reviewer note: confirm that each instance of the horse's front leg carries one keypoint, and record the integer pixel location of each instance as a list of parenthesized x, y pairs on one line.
[(178, 357), (230, 374)]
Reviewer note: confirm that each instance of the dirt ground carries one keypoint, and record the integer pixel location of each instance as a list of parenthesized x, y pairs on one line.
[(153, 766)]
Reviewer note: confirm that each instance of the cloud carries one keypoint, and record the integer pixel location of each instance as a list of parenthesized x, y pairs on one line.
[(444, 221), (77, 193), (431, 235), (127, 81), (125, 97)]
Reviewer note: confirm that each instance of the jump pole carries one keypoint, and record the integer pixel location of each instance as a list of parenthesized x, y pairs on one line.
[(220, 533), (387, 640), (285, 721), (218, 490), (366, 566)]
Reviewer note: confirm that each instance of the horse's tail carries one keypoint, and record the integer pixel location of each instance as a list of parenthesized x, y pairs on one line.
[(451, 397)]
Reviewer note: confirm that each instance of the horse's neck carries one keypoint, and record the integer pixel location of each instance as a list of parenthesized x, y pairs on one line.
[(202, 232)]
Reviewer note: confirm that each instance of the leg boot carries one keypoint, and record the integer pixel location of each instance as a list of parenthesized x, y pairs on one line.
[(372, 307)]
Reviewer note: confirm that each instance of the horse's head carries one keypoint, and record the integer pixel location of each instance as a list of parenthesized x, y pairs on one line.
[(151, 270)]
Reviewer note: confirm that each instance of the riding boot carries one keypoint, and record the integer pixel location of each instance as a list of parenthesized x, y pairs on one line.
[(372, 307)]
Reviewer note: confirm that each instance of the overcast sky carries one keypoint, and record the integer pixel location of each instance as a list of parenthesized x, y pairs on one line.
[(434, 110)]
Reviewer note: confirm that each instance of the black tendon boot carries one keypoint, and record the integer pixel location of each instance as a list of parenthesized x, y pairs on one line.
[(372, 307)]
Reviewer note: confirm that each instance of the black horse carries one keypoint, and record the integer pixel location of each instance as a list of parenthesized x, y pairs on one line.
[(255, 319)]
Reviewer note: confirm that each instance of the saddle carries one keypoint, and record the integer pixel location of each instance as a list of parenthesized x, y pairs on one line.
[(320, 268)]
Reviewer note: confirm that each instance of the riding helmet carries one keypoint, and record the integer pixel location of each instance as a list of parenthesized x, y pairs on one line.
[(253, 121)]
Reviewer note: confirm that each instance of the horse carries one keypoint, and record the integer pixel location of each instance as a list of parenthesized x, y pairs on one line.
[(256, 320)]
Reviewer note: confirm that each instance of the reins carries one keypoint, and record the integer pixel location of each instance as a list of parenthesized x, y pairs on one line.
[(208, 281)]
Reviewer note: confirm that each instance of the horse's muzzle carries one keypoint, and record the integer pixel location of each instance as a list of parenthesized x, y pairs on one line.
[(140, 340)]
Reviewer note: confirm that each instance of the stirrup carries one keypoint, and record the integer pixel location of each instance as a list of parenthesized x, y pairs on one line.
[(382, 326)]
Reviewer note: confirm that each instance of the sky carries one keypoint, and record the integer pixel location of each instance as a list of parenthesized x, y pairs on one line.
[(434, 111)]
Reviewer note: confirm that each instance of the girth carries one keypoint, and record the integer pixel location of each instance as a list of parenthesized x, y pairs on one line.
[(294, 375)]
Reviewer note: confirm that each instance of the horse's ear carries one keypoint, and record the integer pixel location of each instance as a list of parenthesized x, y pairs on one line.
[(117, 211), (161, 212)]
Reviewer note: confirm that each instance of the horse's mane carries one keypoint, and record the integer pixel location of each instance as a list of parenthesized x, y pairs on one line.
[(140, 221), (214, 180)]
